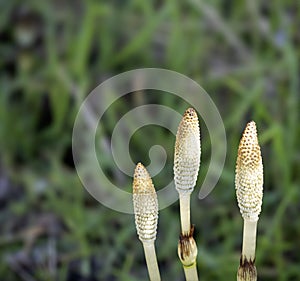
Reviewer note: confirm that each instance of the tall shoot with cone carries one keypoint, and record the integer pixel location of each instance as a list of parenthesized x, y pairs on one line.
[(146, 217), (186, 167), (249, 192)]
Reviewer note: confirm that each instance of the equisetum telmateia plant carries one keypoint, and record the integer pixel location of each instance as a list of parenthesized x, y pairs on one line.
[(186, 167), (249, 192), (146, 216)]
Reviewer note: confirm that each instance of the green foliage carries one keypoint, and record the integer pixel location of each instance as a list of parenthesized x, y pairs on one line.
[(246, 57)]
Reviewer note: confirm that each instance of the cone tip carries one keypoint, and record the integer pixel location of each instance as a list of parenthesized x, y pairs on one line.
[(142, 182), (190, 113)]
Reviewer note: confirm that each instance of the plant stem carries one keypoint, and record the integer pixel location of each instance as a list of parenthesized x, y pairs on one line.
[(184, 202), (249, 240), (151, 261), (191, 272), (247, 270)]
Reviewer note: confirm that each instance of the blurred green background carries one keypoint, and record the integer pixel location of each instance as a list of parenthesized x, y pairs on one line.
[(245, 54)]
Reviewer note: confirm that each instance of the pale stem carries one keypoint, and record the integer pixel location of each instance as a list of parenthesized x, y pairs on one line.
[(191, 273), (151, 261), (249, 239), (184, 202)]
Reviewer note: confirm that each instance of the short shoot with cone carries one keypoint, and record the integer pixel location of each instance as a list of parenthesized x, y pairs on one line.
[(249, 192), (146, 216), (186, 167)]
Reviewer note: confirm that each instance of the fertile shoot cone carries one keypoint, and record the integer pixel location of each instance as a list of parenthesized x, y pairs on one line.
[(187, 152), (146, 216), (249, 175)]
